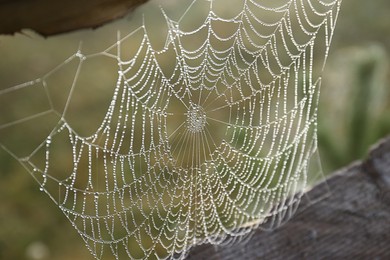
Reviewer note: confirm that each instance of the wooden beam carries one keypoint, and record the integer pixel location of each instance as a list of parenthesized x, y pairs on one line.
[(50, 17), (352, 221)]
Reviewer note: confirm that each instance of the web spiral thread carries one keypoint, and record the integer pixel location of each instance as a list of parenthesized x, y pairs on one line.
[(205, 151)]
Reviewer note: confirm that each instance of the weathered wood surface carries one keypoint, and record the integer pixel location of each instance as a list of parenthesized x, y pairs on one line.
[(352, 221), (49, 17)]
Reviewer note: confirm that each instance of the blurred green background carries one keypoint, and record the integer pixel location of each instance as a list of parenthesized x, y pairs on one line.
[(354, 113)]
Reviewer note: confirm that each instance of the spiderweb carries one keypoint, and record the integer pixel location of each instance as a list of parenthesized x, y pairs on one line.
[(201, 151)]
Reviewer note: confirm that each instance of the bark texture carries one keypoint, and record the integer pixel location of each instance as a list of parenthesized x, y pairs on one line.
[(351, 221), (50, 17)]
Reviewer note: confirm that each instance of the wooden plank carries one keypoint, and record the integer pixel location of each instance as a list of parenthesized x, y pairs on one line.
[(352, 221), (50, 17)]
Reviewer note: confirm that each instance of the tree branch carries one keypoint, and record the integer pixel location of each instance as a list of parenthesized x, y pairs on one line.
[(50, 17)]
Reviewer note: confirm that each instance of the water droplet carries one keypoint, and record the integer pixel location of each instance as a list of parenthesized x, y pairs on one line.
[(196, 119)]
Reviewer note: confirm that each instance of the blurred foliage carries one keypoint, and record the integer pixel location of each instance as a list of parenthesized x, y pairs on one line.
[(355, 95), (354, 110), (354, 113)]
